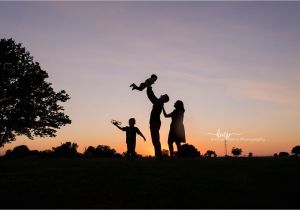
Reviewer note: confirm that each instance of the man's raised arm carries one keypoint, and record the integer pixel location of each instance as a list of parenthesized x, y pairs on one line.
[(151, 95)]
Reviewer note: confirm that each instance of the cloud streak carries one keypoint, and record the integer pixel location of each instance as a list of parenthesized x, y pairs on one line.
[(262, 91)]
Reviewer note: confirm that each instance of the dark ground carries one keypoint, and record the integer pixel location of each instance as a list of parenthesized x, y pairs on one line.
[(108, 183)]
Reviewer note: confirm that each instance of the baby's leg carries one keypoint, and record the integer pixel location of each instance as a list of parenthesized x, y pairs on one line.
[(133, 86), (141, 87)]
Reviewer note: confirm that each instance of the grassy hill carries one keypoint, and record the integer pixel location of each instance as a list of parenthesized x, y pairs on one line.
[(146, 183)]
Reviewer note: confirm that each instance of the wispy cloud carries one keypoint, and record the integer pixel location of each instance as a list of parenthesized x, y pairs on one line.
[(262, 91)]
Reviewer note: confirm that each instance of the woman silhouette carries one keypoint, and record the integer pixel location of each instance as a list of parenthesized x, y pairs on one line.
[(176, 133)]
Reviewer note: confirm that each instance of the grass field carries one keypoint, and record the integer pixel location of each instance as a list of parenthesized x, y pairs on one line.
[(112, 183)]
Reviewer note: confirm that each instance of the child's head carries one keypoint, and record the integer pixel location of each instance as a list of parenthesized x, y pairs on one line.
[(153, 77), (131, 122)]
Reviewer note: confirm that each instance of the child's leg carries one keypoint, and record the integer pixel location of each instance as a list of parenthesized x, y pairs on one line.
[(131, 151), (127, 156)]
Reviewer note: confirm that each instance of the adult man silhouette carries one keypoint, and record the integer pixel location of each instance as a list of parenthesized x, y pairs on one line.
[(158, 104)]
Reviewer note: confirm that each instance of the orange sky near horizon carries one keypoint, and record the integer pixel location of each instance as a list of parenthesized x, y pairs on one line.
[(249, 142)]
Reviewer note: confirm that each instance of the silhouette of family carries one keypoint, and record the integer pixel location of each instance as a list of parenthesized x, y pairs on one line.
[(176, 133)]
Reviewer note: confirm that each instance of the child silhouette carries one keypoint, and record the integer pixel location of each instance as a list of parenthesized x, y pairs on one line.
[(148, 82), (131, 132)]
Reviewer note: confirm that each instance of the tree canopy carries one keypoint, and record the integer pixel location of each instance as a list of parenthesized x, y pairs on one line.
[(296, 150), (101, 151), (28, 104), (210, 153), (236, 151), (67, 149), (188, 150), (283, 154)]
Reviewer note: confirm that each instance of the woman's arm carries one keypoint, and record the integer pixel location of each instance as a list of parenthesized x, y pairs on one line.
[(165, 114)]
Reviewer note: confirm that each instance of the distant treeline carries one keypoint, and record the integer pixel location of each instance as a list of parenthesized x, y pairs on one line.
[(69, 150)]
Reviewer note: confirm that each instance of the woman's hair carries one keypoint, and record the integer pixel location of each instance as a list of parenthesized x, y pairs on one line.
[(179, 105)]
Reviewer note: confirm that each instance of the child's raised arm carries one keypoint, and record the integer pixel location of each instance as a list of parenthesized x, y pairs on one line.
[(118, 126)]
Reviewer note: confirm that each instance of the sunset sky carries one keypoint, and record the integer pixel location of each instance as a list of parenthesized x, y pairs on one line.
[(235, 65)]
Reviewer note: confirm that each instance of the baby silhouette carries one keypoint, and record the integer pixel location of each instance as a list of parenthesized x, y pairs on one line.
[(148, 82)]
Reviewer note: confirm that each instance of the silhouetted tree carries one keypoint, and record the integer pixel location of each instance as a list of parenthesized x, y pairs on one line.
[(188, 150), (250, 154), (104, 151), (118, 155), (34, 153), (165, 153), (124, 155), (46, 153), (18, 152), (28, 104), (89, 152), (67, 149), (275, 155), (236, 151), (210, 153), (296, 150), (8, 152), (283, 154), (101, 151)]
